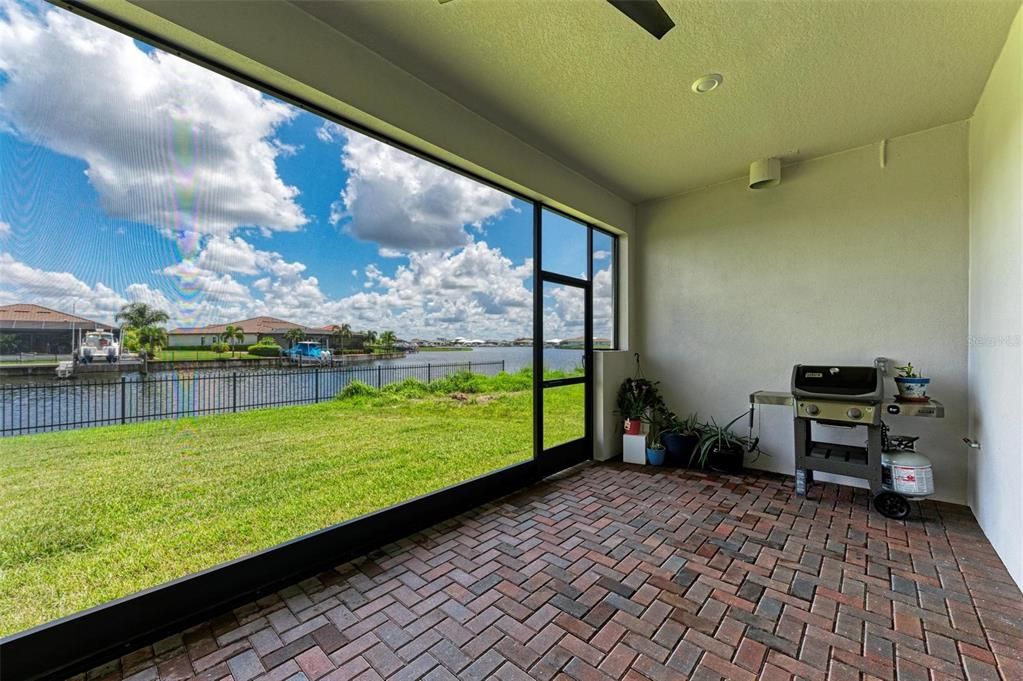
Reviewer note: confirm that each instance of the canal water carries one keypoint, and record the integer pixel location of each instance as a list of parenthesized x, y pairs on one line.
[(40, 404), (514, 359)]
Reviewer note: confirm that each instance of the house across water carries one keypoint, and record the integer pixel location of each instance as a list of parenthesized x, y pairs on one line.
[(254, 329), (25, 328)]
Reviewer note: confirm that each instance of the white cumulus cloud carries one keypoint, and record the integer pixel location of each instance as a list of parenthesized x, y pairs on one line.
[(404, 203), (165, 142), (5, 230), (63, 291)]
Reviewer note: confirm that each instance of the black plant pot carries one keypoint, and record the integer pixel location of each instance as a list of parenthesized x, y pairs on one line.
[(726, 459), (678, 448)]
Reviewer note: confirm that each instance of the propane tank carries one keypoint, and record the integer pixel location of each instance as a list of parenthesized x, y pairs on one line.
[(907, 473)]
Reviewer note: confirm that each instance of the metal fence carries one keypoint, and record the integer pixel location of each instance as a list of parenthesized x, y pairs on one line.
[(79, 404)]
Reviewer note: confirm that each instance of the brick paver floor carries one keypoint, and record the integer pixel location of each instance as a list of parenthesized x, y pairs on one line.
[(620, 572)]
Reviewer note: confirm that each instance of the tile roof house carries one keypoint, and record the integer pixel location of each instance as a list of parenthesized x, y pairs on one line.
[(254, 329), (43, 330)]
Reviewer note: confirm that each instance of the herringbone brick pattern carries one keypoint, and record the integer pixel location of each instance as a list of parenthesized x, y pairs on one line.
[(619, 572)]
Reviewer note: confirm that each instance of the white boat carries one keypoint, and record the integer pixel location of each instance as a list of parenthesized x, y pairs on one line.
[(99, 346)]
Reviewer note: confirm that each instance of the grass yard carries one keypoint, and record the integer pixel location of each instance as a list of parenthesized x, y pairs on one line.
[(201, 355), (95, 514)]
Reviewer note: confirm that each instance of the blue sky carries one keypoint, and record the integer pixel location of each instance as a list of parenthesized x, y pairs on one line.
[(129, 174)]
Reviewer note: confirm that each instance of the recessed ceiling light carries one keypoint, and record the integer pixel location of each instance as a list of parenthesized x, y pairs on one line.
[(705, 84)]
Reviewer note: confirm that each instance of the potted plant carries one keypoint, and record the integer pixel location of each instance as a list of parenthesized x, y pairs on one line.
[(912, 387), (719, 448), (655, 450), (636, 398), (680, 438)]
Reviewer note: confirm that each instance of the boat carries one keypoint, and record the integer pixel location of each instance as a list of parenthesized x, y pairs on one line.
[(98, 346), (66, 369), (308, 353)]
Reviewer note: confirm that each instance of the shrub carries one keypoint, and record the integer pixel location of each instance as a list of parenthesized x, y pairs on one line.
[(410, 388), (357, 389), (460, 382), (265, 348), (220, 347), (130, 340)]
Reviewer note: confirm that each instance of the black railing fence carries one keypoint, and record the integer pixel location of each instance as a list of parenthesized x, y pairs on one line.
[(80, 404)]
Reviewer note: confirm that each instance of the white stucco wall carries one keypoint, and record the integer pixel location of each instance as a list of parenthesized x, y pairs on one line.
[(996, 286), (842, 262)]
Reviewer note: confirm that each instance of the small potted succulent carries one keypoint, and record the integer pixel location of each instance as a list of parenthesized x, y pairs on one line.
[(912, 386), (637, 398), (680, 438), (721, 449)]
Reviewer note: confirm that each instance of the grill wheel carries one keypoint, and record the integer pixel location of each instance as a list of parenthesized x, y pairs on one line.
[(892, 505)]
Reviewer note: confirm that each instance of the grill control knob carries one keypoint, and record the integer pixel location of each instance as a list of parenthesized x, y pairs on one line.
[(812, 409), (854, 413)]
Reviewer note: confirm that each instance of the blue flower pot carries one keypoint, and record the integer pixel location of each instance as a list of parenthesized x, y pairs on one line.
[(912, 388), (655, 457), (678, 448)]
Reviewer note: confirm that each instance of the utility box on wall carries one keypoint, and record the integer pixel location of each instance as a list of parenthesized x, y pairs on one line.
[(610, 369)]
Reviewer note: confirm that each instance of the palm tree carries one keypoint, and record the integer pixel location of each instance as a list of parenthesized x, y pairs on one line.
[(341, 333), (370, 337), (8, 343), (294, 336), (387, 339), (152, 338), (140, 315), (232, 333)]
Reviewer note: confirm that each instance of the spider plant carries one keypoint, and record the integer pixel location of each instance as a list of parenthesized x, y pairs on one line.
[(715, 439)]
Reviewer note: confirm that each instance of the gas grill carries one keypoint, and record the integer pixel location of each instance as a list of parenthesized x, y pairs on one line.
[(847, 396), (837, 395)]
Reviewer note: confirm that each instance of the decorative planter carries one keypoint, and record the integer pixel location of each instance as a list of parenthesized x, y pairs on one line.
[(912, 388), (655, 456), (678, 448), (633, 426), (726, 460)]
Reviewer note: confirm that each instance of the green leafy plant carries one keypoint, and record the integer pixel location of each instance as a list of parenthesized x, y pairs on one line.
[(130, 340), (690, 425), (294, 336), (140, 315), (220, 347), (8, 343), (152, 339), (341, 333), (357, 389), (232, 333), (639, 398), (266, 347), (908, 371), (715, 438)]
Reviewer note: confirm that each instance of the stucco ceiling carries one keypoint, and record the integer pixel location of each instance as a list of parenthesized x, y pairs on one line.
[(802, 79)]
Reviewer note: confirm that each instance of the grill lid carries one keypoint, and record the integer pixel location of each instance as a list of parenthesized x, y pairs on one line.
[(824, 382)]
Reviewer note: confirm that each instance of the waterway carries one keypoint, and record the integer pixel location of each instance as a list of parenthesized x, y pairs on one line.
[(514, 359), (41, 403)]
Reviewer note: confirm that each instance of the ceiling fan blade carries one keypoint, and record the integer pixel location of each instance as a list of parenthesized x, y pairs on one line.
[(647, 13)]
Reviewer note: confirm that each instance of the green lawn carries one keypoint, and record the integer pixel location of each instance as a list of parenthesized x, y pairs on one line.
[(202, 355), (95, 514)]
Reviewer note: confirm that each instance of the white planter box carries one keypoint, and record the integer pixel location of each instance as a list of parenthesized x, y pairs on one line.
[(634, 449)]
